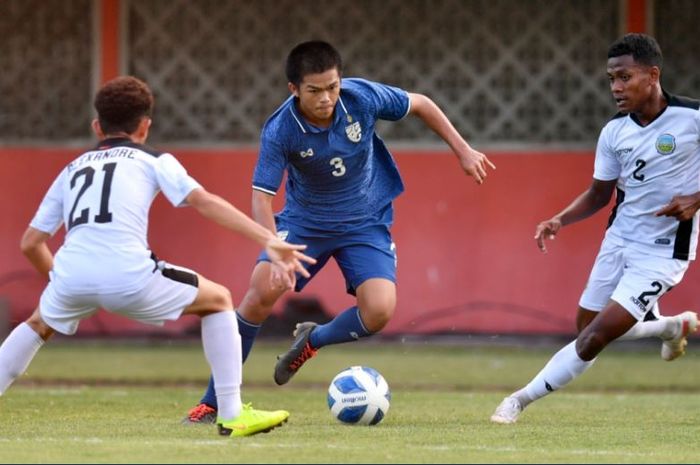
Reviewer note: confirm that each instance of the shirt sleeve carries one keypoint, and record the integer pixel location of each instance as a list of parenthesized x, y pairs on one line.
[(271, 164), (49, 216), (173, 180), (391, 103), (607, 166)]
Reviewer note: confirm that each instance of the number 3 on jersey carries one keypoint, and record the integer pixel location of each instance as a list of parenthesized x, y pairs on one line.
[(337, 163), (88, 175)]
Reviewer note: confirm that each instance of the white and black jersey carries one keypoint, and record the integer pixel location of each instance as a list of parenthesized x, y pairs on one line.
[(103, 197), (652, 164)]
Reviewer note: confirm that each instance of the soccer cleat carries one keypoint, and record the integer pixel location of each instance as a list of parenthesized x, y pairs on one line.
[(252, 421), (201, 414), (290, 362), (686, 323), (507, 412)]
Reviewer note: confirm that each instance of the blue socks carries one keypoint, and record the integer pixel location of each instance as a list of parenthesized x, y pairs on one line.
[(248, 332), (345, 327)]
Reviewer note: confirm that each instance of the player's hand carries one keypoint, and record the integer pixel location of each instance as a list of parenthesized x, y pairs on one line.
[(681, 207), (288, 258), (282, 279), (546, 230), (474, 164)]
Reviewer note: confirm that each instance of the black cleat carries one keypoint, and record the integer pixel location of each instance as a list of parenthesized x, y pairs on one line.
[(290, 362)]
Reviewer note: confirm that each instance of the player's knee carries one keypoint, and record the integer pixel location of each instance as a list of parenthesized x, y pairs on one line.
[(376, 317), (584, 318), (255, 307), (589, 344), (39, 326), (221, 299)]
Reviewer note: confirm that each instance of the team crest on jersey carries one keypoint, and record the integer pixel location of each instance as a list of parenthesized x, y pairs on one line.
[(354, 131), (665, 144), (306, 153)]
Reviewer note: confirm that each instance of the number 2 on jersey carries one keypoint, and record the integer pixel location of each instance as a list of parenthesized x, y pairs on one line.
[(104, 215), (658, 287), (636, 173)]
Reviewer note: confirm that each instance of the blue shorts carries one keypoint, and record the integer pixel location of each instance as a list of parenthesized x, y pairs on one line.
[(361, 254)]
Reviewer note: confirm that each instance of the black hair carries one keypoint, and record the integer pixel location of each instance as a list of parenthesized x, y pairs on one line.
[(122, 103), (643, 48), (312, 57)]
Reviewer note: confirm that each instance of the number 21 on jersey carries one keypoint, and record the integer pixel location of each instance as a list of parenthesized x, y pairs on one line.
[(82, 180)]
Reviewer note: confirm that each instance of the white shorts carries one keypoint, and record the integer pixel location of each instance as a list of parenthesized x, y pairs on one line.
[(631, 278), (166, 294)]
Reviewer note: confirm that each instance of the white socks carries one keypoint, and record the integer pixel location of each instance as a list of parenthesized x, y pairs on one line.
[(222, 348), (566, 365), (16, 353), (561, 369), (656, 328)]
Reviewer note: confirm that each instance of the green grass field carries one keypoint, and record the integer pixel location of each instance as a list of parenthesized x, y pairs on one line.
[(118, 403)]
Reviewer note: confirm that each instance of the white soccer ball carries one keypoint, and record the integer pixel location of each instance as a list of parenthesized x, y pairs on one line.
[(359, 395)]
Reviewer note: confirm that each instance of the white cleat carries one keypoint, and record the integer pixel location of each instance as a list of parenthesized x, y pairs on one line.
[(507, 412), (686, 323)]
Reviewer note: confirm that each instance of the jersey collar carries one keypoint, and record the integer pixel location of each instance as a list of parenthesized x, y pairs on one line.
[(306, 127), (112, 142), (668, 97)]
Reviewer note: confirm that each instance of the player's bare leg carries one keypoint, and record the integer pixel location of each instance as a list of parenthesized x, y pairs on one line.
[(570, 362), (376, 301), (261, 296), (672, 330)]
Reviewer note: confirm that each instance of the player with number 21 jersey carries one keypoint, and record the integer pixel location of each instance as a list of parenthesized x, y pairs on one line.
[(106, 248)]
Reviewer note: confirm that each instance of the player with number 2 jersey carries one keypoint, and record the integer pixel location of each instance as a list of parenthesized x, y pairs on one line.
[(649, 155)]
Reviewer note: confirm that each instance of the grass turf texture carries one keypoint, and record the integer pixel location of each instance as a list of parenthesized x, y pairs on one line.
[(115, 403)]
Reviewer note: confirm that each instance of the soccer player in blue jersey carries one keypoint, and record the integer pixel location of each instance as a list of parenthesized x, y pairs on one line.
[(340, 187)]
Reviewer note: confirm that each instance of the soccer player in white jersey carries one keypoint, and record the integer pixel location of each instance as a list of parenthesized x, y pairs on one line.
[(103, 198), (650, 154)]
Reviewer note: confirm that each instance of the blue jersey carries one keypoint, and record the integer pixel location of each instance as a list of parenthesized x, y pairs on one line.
[(341, 177)]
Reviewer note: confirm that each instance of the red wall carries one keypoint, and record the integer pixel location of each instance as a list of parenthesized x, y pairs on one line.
[(467, 259)]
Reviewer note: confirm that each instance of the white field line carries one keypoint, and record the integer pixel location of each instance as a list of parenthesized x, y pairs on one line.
[(277, 445)]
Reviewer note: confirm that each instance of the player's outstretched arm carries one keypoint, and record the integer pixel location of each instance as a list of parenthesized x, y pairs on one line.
[(220, 211), (215, 208), (589, 202), (473, 162), (33, 246)]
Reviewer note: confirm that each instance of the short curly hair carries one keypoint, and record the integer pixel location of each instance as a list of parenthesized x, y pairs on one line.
[(643, 48), (122, 103)]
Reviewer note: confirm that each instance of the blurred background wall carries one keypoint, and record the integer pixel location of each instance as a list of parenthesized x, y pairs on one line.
[(523, 81)]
